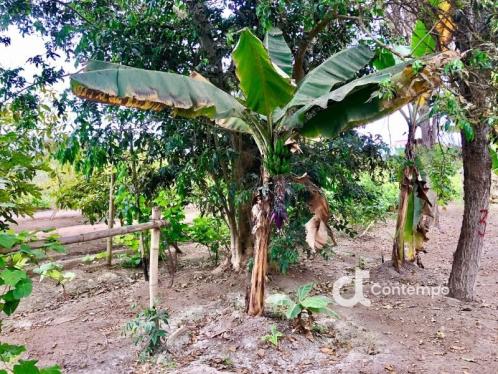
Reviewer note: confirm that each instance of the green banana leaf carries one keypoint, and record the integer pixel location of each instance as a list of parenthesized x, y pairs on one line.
[(264, 86), (346, 107), (279, 51), (339, 68), (153, 90)]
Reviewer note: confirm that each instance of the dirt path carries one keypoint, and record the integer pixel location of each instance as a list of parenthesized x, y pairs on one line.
[(396, 334)]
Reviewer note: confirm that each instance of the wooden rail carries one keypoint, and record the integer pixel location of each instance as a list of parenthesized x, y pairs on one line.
[(95, 235)]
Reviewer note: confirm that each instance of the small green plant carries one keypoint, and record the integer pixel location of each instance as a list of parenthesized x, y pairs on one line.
[(273, 336), (54, 271), (147, 329), (129, 261), (90, 258), (301, 310)]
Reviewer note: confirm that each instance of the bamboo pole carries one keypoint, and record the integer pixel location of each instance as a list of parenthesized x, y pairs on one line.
[(95, 235), (155, 236), (110, 218)]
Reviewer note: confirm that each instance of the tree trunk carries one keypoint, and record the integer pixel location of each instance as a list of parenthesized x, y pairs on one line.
[(262, 240), (398, 253), (245, 239), (235, 250), (110, 218), (261, 213), (155, 237), (476, 186)]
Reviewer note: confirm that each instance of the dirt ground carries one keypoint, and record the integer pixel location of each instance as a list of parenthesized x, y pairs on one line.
[(396, 334)]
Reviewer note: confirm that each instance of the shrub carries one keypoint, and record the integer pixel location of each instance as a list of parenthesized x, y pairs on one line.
[(146, 330)]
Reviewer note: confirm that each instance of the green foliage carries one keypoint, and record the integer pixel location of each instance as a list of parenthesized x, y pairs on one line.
[(130, 261), (15, 285), (273, 336), (172, 210), (387, 90), (383, 59), (88, 194), (284, 247), (147, 330), (448, 104), (264, 87), (54, 271), (441, 165), (210, 232), (303, 303), (279, 51), (422, 41), (19, 164)]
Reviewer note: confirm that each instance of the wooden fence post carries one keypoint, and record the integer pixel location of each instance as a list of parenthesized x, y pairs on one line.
[(110, 218), (155, 235)]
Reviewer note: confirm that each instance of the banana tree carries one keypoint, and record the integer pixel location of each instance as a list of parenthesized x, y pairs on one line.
[(274, 111)]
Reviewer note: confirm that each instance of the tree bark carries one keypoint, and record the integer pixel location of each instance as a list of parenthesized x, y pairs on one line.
[(155, 236), (110, 218), (261, 213), (398, 253), (262, 240), (235, 250), (476, 186)]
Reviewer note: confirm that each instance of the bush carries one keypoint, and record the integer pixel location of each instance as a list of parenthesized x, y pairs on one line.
[(146, 329), (210, 232)]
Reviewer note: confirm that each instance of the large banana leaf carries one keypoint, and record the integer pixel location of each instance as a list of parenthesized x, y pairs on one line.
[(278, 50), (337, 69), (145, 89), (264, 86), (356, 103)]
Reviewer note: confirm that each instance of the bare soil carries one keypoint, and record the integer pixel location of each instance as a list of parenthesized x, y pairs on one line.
[(82, 332)]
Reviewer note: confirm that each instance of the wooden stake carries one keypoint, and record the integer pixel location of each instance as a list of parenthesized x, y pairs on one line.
[(110, 218), (155, 237)]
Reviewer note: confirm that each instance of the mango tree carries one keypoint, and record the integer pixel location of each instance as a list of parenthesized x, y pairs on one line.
[(274, 111)]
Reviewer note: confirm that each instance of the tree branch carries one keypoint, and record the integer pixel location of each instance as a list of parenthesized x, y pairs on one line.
[(298, 68)]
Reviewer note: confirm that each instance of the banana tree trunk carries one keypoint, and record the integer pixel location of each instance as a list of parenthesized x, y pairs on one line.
[(262, 232), (398, 254)]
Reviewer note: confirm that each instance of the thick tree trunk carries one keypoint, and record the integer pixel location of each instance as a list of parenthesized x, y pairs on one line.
[(476, 186), (245, 238), (261, 213), (262, 240)]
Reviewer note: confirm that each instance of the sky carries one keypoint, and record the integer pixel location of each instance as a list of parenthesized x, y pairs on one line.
[(392, 128)]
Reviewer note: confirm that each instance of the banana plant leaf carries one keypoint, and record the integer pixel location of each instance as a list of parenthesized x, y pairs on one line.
[(153, 90), (418, 213), (264, 85), (339, 68), (279, 51), (357, 103)]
